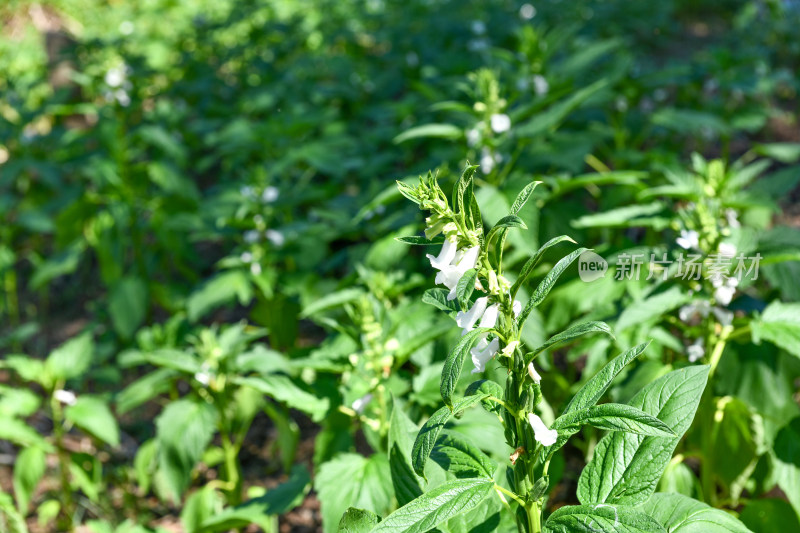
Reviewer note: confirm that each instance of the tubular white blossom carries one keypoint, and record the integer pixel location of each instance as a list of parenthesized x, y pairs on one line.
[(450, 275), (489, 319), (66, 397), (516, 307), (500, 122), (695, 351), (688, 239), (467, 320), (483, 352), (547, 437), (445, 257), (360, 404), (534, 374), (508, 351)]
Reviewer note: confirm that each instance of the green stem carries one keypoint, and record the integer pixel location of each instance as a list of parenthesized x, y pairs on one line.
[(231, 470), (68, 505), (534, 517), (509, 494)]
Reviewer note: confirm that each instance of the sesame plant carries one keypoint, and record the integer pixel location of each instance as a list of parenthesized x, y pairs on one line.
[(616, 490)]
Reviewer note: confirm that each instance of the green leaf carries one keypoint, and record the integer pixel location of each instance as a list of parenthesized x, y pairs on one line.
[(19, 433), (457, 456), (571, 333), (198, 507), (454, 363), (543, 289), (437, 131), (72, 358), (531, 263), (13, 521), (465, 287), (601, 518), (625, 468), (438, 299), (487, 387), (17, 402), (419, 240), (652, 307), (220, 290), (780, 325), (334, 299), (615, 417), (783, 152), (278, 500), (681, 514), (351, 480), (145, 388), (550, 119), (184, 429), (593, 390), (357, 521), (92, 415), (28, 368), (737, 436), (127, 305), (464, 187), (786, 461), (522, 197), (769, 515), (407, 485), (632, 215), (426, 438), (436, 506), (29, 468), (283, 389)]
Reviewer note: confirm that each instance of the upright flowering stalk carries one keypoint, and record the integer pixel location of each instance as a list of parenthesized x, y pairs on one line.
[(483, 303)]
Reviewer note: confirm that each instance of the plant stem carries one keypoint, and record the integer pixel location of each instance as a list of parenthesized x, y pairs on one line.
[(68, 505), (509, 494), (534, 517)]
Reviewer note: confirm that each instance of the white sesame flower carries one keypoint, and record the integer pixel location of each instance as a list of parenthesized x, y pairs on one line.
[(489, 160), (467, 320), (547, 437), (445, 257), (732, 217), (725, 290), (516, 307), (724, 317), (540, 85), (489, 319), (478, 27), (527, 12), (695, 352), (270, 194), (275, 237), (247, 191), (727, 249), (255, 268), (361, 404), (473, 137), (534, 374), (251, 236), (483, 352), (126, 27), (688, 239), (500, 122), (66, 397), (701, 307), (122, 97), (203, 377), (115, 76), (246, 257), (450, 275), (508, 351)]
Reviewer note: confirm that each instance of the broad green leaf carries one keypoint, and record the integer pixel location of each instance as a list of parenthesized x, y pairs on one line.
[(625, 468), (351, 480), (768, 515), (601, 518), (426, 438), (455, 363), (357, 521), (783, 152), (632, 215), (276, 501), (407, 484), (18, 432), (92, 414), (201, 505), (786, 462), (571, 333), (487, 388), (543, 289), (738, 440), (335, 299), (437, 131), (10, 518), (465, 287), (436, 506), (183, 429), (438, 299), (220, 290), (681, 514), (29, 468), (17, 402), (615, 417), (593, 390), (282, 389), (780, 325), (552, 117), (127, 305), (145, 388), (652, 307), (72, 358), (531, 263), (458, 457), (28, 368)]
